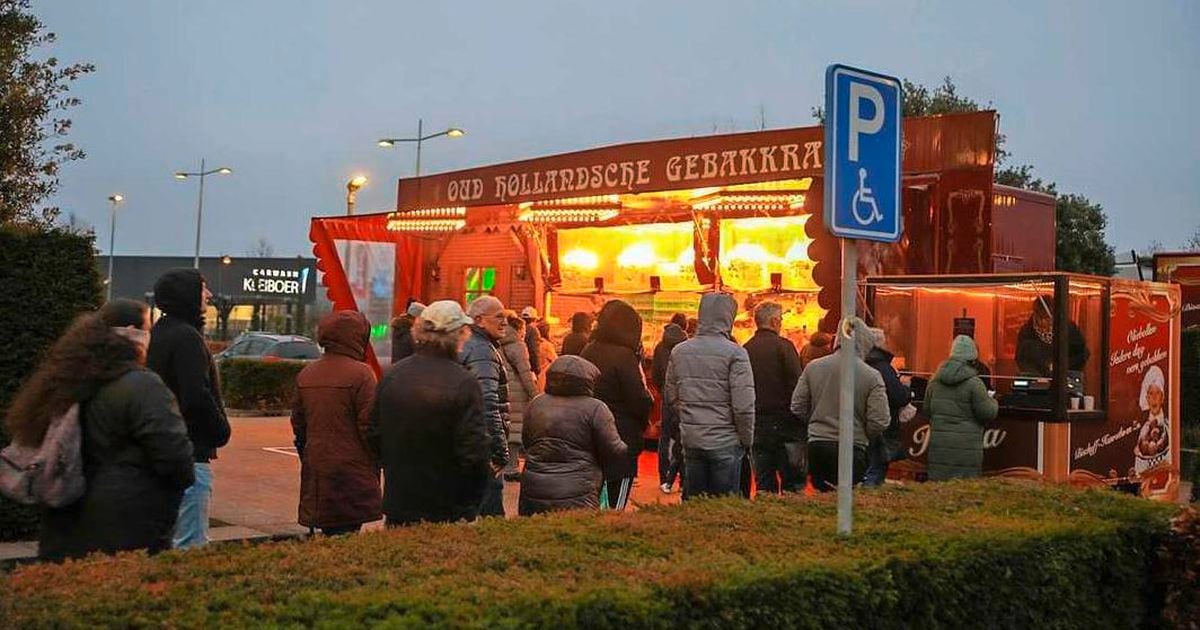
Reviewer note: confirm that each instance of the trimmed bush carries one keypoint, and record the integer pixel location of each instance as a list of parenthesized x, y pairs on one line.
[(47, 279), (960, 554), (259, 385)]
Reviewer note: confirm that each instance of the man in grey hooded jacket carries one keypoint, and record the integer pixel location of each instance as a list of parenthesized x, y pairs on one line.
[(710, 386), (816, 402)]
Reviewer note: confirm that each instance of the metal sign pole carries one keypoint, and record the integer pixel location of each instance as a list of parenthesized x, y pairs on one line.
[(846, 356)]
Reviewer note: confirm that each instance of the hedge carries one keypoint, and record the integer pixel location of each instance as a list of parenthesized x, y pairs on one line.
[(959, 554), (48, 278), (259, 385)]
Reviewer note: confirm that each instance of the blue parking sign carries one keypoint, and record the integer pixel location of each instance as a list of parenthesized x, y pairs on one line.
[(862, 154)]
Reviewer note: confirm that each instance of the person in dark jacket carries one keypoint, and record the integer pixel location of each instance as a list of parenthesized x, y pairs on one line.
[(429, 429), (529, 315), (402, 341), (778, 450), (1035, 342), (137, 459), (581, 332), (480, 355), (958, 406), (616, 350), (522, 388), (670, 451), (570, 438), (885, 447), (180, 357), (819, 345), (339, 475)]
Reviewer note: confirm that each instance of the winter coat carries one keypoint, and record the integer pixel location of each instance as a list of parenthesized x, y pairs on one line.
[(615, 350), (776, 367), (898, 394), (137, 460), (548, 354), (339, 476), (574, 342), (522, 385), (429, 430), (570, 439), (402, 339), (816, 399), (531, 347), (480, 356), (1036, 357), (709, 382), (178, 354), (819, 345), (672, 336), (958, 407)]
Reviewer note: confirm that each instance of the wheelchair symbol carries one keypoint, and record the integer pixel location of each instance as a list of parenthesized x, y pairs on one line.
[(863, 196)]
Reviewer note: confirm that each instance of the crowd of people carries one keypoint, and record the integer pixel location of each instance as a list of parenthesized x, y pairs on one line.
[(475, 397)]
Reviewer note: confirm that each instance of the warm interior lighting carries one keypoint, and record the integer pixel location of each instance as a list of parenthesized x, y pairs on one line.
[(581, 259), (425, 225), (457, 212), (637, 255), (565, 215)]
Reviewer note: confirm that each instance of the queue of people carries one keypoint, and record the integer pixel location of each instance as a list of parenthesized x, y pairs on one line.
[(451, 421)]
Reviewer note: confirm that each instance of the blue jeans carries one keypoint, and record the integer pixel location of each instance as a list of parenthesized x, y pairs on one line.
[(713, 472), (881, 452), (668, 460), (191, 528)]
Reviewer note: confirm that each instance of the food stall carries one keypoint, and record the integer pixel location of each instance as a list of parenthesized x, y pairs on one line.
[(658, 223), (1085, 370)]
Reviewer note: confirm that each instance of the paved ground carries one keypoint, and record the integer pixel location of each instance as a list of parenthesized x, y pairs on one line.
[(257, 479)]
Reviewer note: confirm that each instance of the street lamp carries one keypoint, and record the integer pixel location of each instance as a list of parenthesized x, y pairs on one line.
[(113, 200), (452, 132), (224, 170), (352, 187)]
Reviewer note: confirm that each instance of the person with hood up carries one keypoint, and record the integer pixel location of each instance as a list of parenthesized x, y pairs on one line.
[(581, 332), (137, 459), (480, 356), (402, 341), (546, 351), (778, 447), (339, 475), (670, 451), (570, 439), (529, 315), (180, 357), (522, 388), (428, 427), (886, 446), (616, 349), (816, 401), (958, 406), (710, 387)]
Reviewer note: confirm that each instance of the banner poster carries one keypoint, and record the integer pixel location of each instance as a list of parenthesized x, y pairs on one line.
[(1134, 443), (1012, 447)]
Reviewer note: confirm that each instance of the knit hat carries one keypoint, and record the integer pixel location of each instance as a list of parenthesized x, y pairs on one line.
[(964, 349)]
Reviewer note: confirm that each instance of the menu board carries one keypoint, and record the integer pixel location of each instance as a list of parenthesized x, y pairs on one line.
[(1134, 443)]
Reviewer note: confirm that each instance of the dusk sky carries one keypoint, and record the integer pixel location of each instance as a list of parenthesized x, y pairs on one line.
[(292, 95)]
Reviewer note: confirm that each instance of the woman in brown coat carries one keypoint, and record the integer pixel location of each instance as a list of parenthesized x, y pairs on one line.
[(339, 477)]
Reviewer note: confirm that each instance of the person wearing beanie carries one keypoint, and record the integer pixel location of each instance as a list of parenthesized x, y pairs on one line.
[(958, 406), (178, 354), (817, 402), (885, 448)]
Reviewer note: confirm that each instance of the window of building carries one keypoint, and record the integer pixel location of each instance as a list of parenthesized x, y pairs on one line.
[(480, 281)]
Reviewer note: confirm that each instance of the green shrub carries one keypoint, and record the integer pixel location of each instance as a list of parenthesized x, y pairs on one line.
[(47, 279), (259, 385), (960, 554)]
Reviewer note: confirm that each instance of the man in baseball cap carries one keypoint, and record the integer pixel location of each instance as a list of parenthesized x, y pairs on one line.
[(530, 315)]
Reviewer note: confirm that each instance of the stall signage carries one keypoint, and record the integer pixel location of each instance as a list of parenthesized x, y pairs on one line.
[(862, 143), (1134, 443), (1182, 269), (276, 282)]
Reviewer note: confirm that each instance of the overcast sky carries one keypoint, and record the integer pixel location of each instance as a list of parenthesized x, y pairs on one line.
[(292, 94)]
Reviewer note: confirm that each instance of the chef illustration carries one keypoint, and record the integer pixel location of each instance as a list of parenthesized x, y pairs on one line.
[(1154, 437)]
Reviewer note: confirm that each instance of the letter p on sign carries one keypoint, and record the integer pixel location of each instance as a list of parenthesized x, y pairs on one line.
[(860, 92)]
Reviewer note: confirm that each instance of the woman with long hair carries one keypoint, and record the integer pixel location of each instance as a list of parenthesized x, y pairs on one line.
[(137, 458)]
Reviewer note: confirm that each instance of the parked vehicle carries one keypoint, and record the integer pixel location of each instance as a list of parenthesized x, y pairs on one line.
[(271, 347)]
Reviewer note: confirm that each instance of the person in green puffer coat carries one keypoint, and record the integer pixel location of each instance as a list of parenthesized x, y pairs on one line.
[(958, 406)]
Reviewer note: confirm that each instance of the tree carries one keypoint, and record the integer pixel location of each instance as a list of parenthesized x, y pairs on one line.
[(33, 98), (1193, 242), (262, 248), (1079, 243)]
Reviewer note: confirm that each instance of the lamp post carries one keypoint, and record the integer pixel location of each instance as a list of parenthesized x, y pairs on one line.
[(352, 187), (113, 200), (224, 170), (452, 132)]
